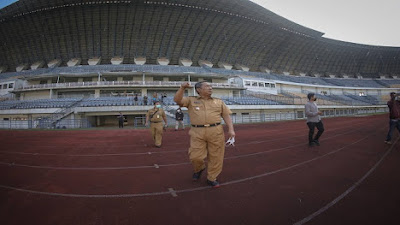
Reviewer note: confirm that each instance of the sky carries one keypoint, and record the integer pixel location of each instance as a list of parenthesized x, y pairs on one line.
[(371, 22), (4, 3)]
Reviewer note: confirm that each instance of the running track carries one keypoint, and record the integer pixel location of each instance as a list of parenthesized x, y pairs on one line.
[(271, 176)]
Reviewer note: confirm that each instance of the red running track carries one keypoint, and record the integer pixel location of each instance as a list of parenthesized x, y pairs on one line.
[(271, 176)]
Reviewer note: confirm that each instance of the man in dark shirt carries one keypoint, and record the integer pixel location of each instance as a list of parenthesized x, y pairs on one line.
[(179, 119), (394, 114), (121, 119)]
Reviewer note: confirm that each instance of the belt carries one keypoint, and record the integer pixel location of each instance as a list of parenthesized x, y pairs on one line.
[(156, 122), (207, 125)]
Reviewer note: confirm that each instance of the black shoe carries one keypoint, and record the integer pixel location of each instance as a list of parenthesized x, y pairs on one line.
[(316, 142), (312, 144), (214, 184), (197, 175)]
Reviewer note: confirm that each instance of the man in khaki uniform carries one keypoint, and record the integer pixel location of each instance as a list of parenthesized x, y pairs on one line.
[(207, 137), (156, 115)]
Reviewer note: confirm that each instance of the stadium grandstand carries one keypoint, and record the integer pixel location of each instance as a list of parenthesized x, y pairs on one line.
[(78, 63)]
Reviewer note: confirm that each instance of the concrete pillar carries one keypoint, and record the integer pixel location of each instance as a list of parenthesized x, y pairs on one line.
[(120, 79), (54, 63), (74, 62), (117, 60), (37, 65), (144, 92), (265, 69), (185, 62), (163, 61), (49, 81), (140, 60), (166, 79), (21, 67), (3, 69), (226, 66), (94, 61), (80, 79), (205, 63), (242, 67), (97, 120), (97, 93)]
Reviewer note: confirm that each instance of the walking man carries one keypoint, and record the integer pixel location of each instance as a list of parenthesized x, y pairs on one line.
[(394, 114), (179, 119), (207, 139), (156, 115), (313, 120)]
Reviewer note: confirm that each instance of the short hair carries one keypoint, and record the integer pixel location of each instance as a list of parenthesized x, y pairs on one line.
[(310, 95), (392, 93), (199, 85)]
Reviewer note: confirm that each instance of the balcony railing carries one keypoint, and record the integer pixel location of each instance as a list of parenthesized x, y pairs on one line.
[(116, 84)]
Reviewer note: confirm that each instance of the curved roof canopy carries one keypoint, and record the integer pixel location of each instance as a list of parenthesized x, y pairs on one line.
[(233, 32)]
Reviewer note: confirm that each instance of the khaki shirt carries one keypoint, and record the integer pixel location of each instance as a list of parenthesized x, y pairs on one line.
[(158, 115), (205, 111)]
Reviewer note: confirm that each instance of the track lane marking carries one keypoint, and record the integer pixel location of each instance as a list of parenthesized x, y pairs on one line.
[(183, 190), (344, 194)]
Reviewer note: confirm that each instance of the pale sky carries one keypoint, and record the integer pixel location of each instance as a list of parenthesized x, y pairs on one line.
[(372, 22)]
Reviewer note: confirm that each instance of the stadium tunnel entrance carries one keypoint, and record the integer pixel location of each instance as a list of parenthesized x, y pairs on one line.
[(136, 120)]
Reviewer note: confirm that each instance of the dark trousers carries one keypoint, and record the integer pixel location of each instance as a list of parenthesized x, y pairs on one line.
[(311, 126), (121, 124), (392, 125)]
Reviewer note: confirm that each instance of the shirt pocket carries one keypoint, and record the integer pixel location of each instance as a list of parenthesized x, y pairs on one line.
[(198, 109)]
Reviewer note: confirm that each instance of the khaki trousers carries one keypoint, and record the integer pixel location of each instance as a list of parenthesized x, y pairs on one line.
[(157, 132), (207, 142)]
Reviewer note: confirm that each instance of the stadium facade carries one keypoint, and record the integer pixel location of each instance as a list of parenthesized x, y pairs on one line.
[(86, 60)]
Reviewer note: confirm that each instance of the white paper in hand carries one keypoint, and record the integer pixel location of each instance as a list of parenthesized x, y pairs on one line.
[(230, 141)]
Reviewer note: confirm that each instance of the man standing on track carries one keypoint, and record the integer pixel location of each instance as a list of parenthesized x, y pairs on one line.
[(313, 120), (156, 115), (121, 120), (394, 114), (179, 119), (207, 139)]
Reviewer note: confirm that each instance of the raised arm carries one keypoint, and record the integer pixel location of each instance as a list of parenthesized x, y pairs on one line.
[(179, 94)]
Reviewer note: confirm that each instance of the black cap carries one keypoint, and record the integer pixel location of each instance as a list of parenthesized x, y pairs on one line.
[(310, 95)]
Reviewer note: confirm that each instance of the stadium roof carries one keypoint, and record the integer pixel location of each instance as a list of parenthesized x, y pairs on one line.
[(229, 32)]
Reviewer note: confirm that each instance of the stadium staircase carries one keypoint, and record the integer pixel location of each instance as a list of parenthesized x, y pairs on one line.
[(54, 118)]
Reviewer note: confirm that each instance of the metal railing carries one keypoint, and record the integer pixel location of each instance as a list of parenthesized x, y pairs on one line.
[(116, 84)]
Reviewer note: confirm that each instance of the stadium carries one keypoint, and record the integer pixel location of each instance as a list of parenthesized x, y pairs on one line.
[(75, 63), (68, 68)]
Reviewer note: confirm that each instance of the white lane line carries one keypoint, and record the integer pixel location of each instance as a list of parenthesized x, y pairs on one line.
[(178, 191), (173, 193), (149, 153), (340, 197), (156, 166), (77, 168), (166, 165)]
